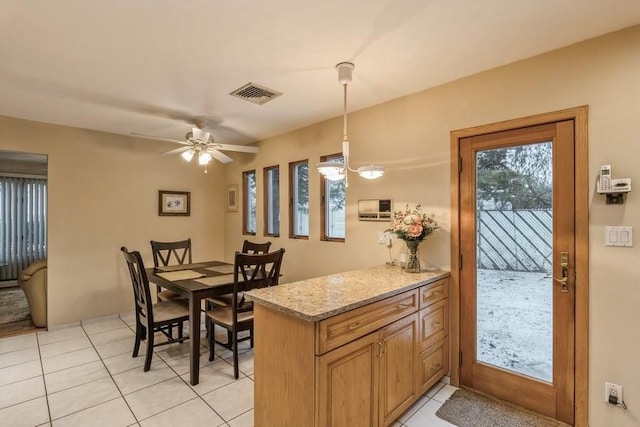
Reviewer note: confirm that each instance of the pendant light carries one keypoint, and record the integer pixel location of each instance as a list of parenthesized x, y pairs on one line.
[(335, 171)]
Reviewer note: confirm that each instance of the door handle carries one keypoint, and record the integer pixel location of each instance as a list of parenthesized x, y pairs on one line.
[(564, 271)]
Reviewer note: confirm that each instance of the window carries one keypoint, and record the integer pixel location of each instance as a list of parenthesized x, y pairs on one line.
[(299, 199), (272, 201), (23, 224), (249, 202), (332, 201)]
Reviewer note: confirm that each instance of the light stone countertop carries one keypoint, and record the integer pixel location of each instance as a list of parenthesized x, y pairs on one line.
[(323, 297)]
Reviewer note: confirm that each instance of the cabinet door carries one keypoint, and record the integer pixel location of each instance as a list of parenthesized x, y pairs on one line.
[(348, 384), (433, 364), (397, 368)]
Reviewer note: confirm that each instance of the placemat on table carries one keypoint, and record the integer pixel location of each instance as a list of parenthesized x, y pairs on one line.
[(180, 275), (224, 269), (217, 280)]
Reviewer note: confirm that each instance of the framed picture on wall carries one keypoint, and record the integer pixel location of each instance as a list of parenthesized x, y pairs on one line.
[(232, 197), (174, 203)]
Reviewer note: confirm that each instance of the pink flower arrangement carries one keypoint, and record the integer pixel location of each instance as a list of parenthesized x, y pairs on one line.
[(412, 224)]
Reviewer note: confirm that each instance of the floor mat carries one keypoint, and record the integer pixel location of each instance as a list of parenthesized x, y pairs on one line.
[(13, 305), (468, 409)]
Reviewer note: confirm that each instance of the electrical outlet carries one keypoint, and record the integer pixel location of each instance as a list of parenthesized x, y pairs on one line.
[(612, 390), (384, 238)]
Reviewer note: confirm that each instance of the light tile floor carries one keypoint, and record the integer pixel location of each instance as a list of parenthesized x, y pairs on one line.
[(85, 375)]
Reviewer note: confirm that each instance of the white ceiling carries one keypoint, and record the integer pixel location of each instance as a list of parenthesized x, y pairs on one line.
[(151, 66)]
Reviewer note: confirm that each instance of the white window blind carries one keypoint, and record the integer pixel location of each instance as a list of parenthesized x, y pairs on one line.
[(23, 224)]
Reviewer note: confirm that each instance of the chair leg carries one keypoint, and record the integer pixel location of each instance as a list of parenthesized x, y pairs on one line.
[(180, 331), (139, 337), (149, 355), (211, 339), (229, 340), (235, 354), (251, 337)]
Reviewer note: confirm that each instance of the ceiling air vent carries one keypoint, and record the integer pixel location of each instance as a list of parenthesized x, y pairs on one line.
[(254, 93)]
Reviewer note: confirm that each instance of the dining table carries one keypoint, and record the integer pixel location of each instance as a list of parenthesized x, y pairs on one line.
[(194, 282)]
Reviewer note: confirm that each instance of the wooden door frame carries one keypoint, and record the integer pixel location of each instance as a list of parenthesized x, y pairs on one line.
[(579, 115)]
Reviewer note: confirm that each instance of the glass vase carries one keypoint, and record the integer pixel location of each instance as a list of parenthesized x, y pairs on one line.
[(413, 262)]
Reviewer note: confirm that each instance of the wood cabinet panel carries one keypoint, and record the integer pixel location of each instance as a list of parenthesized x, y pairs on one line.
[(433, 364), (397, 368), (434, 292), (347, 381), (343, 328), (434, 323)]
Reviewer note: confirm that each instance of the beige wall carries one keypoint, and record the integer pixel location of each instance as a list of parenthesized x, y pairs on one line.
[(410, 136), (103, 194)]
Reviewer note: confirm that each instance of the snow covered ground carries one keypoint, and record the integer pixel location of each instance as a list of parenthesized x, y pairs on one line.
[(515, 321)]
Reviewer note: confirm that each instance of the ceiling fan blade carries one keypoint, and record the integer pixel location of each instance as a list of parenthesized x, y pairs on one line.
[(177, 150), (157, 138), (239, 148), (223, 158)]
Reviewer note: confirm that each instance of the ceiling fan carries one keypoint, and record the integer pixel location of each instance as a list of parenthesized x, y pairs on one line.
[(199, 143)]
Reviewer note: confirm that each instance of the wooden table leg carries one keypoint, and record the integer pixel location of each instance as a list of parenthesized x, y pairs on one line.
[(194, 338)]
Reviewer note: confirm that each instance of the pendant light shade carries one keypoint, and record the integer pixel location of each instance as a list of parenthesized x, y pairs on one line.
[(335, 171)]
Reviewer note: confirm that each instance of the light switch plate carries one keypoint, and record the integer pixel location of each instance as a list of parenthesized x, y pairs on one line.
[(619, 236)]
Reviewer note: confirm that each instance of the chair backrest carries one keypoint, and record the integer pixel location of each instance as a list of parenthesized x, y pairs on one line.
[(255, 248), (253, 271), (171, 253), (140, 282)]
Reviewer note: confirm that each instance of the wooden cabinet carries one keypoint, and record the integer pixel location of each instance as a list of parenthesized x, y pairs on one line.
[(348, 384), (433, 344), (370, 364), (397, 368)]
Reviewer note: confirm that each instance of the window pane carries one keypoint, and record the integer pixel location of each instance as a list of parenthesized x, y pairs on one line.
[(272, 197), (300, 208), (249, 202), (334, 205)]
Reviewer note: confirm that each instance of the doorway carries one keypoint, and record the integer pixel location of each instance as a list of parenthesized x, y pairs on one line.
[(23, 239), (520, 201)]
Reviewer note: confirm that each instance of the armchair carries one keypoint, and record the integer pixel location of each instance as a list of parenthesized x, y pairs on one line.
[(33, 281)]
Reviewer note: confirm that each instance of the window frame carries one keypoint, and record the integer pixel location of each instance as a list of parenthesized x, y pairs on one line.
[(268, 194), (323, 203), (292, 166), (245, 201)]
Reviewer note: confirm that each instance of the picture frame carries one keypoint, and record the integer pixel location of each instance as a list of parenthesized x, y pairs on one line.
[(232, 198), (174, 203)]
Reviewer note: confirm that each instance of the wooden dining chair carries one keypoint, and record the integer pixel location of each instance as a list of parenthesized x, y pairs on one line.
[(170, 253), (150, 317), (255, 248), (249, 272), (225, 300)]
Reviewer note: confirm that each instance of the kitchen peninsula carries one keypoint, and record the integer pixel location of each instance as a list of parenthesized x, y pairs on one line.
[(348, 349)]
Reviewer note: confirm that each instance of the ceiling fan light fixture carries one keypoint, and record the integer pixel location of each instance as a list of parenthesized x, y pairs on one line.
[(204, 158), (188, 155), (371, 171)]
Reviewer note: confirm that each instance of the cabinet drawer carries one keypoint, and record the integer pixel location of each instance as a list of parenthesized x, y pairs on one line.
[(434, 292), (434, 323), (433, 364), (346, 327)]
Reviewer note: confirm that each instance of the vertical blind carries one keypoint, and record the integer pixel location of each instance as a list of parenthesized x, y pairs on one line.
[(23, 224)]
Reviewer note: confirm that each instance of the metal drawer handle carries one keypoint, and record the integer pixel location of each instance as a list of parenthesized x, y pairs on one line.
[(436, 367), (354, 326), (436, 324), (402, 306)]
